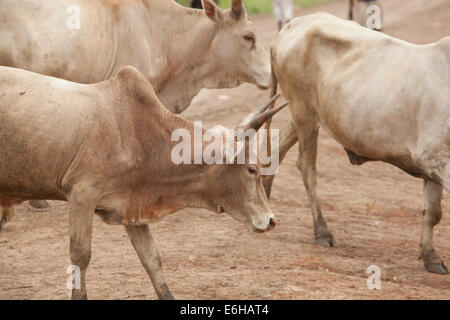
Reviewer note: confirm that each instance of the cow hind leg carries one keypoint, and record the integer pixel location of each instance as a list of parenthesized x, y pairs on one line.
[(307, 134), (145, 247), (432, 214), (6, 214)]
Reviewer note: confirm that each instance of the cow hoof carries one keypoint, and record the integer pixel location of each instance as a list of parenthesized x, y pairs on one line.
[(2, 222), (164, 293), (326, 240), (79, 295), (438, 268), (168, 296), (39, 205)]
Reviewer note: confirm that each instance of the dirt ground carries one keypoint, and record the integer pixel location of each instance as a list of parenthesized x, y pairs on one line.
[(373, 210)]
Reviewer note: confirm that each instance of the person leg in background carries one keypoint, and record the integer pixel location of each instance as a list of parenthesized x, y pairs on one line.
[(350, 9), (282, 10), (288, 9), (278, 13), (197, 4)]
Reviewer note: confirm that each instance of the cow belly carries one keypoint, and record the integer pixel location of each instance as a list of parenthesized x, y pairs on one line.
[(364, 141), (24, 175), (30, 164), (368, 145)]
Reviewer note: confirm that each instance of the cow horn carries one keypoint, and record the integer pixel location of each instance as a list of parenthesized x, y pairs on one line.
[(257, 112), (236, 8), (259, 120)]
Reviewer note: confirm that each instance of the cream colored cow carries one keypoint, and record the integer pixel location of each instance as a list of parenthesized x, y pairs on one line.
[(381, 98), (180, 50)]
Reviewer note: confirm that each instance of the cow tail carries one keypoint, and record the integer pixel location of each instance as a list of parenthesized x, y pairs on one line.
[(274, 81), (273, 92)]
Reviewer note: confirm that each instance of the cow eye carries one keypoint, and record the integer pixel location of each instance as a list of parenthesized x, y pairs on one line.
[(252, 170), (249, 37)]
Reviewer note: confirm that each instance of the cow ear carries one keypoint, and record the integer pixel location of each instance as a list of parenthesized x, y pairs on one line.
[(212, 11)]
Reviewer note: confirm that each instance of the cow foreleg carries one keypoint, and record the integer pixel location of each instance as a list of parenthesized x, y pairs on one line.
[(143, 243), (307, 134), (432, 214), (80, 229), (288, 137)]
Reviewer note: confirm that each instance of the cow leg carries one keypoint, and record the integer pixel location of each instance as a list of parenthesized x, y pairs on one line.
[(288, 137), (6, 214), (143, 243), (307, 133), (432, 214), (80, 229)]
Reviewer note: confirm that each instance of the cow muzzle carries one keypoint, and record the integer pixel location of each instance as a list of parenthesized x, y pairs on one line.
[(264, 224), (264, 83)]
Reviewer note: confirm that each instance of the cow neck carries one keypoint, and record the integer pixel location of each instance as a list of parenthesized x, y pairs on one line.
[(147, 126), (188, 66), (179, 186)]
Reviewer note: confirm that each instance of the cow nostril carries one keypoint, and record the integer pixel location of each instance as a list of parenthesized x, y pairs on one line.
[(272, 223)]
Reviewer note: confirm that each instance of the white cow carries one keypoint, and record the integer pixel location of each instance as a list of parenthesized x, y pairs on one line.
[(381, 98), (179, 50)]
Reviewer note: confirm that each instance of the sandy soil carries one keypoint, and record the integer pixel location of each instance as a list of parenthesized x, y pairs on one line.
[(374, 212)]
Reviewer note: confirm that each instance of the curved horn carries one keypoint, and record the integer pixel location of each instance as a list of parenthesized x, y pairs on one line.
[(257, 112), (236, 8), (259, 120)]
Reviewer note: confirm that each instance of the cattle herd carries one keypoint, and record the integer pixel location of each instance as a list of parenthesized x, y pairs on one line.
[(87, 111)]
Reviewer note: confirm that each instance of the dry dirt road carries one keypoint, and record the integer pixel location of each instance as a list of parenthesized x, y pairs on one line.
[(374, 212)]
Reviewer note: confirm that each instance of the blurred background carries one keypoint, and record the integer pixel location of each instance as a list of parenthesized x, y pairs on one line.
[(259, 6)]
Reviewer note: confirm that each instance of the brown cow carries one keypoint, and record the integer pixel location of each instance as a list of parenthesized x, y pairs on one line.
[(106, 149)]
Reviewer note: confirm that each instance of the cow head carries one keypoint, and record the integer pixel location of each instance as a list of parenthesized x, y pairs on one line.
[(235, 48), (237, 188)]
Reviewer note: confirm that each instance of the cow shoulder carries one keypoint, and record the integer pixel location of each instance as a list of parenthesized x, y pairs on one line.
[(135, 88), (315, 32), (329, 34)]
